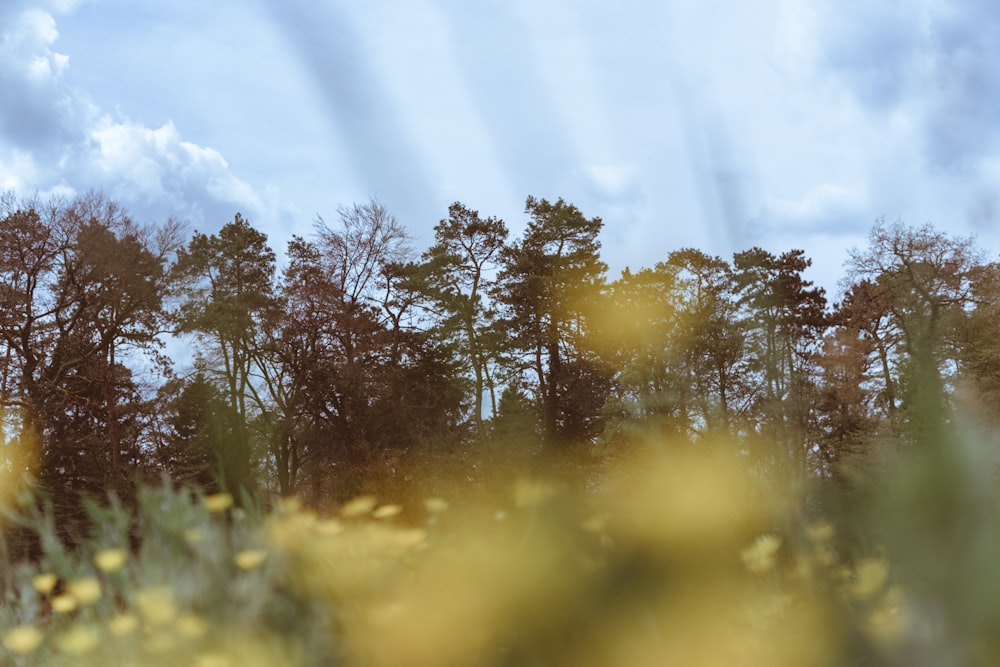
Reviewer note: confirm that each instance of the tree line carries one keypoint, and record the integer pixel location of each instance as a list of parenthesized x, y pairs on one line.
[(357, 363)]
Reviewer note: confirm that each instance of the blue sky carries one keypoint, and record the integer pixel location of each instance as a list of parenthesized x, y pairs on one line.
[(717, 124)]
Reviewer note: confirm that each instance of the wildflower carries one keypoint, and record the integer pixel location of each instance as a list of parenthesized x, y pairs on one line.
[(156, 605), (45, 582), (329, 527), (122, 624), (411, 538), (597, 523), (250, 559), (191, 626), (887, 621), (85, 591), (435, 505), (193, 535), (870, 575), (64, 603), (387, 511), (759, 557), (821, 531), (289, 505), (79, 639), (23, 639), (212, 660), (358, 506), (159, 642), (218, 502), (529, 493), (110, 560)]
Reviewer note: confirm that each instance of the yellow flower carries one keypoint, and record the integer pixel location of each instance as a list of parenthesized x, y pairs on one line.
[(289, 505), (821, 531), (85, 591), (212, 660), (23, 639), (759, 556), (387, 511), (218, 502), (191, 626), (110, 560), (357, 506), (250, 559), (329, 527), (193, 535), (870, 575), (64, 603), (122, 624), (532, 493), (159, 642), (156, 605), (45, 582), (79, 639), (436, 505)]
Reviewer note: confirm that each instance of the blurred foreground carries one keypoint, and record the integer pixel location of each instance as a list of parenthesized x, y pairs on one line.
[(677, 556)]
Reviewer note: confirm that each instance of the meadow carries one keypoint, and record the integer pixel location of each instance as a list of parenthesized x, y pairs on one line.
[(675, 555)]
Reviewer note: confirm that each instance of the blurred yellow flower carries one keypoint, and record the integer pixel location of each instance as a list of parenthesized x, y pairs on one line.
[(329, 527), (156, 605), (531, 493), (870, 575), (79, 639), (436, 505), (250, 559), (191, 626), (759, 557), (411, 537), (159, 642), (23, 639), (110, 560), (122, 624), (218, 502), (44, 583), (820, 531), (289, 505), (357, 506), (85, 591), (888, 620), (193, 535), (64, 603), (387, 511), (212, 660)]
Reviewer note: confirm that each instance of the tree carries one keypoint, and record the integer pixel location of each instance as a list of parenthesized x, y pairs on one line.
[(202, 437), (455, 278), (81, 288), (545, 287), (979, 349), (228, 300), (845, 401), (713, 337), (784, 318), (366, 388), (911, 290)]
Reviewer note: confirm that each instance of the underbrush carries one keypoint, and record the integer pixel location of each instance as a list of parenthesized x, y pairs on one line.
[(673, 559)]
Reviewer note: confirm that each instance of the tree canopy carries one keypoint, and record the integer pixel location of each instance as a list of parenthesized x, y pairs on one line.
[(351, 361)]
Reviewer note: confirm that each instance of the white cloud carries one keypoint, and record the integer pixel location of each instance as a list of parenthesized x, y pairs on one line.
[(156, 166), (52, 138), (25, 48), (822, 205), (16, 170)]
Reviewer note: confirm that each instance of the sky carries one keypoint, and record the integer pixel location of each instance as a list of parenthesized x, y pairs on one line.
[(719, 125)]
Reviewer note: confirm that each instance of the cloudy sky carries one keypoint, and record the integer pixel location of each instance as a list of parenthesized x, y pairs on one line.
[(713, 124)]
